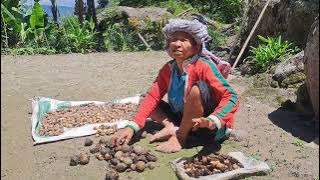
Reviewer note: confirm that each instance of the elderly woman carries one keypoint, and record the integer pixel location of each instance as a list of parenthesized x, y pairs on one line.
[(198, 95)]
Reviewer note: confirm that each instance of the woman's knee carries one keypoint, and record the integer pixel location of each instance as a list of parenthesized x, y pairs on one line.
[(194, 94)]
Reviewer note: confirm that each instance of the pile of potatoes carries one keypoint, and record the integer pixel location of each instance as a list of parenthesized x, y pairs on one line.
[(54, 122), (104, 130), (210, 164), (122, 158)]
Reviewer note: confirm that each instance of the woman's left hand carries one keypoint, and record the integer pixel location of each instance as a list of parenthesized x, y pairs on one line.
[(203, 123)]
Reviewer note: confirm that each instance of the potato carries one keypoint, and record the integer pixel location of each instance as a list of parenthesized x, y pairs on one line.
[(140, 166), (84, 159)]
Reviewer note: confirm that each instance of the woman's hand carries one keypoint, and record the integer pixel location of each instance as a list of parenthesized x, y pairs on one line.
[(123, 136), (203, 123)]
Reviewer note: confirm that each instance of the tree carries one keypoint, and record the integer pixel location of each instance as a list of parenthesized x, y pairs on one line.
[(54, 10), (91, 13), (79, 9), (103, 3)]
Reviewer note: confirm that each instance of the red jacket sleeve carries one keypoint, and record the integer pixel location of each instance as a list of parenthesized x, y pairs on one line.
[(153, 97), (228, 100)]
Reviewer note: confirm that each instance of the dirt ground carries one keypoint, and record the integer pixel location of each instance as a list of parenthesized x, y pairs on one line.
[(284, 140)]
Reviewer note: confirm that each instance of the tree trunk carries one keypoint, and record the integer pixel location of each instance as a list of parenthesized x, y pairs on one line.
[(79, 10), (54, 10), (91, 12)]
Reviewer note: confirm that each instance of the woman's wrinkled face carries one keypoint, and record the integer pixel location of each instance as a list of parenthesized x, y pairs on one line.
[(181, 46)]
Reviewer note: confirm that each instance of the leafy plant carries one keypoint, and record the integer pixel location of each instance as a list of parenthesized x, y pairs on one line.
[(31, 51), (115, 38), (226, 11), (152, 33), (269, 53), (11, 22), (81, 37), (176, 7)]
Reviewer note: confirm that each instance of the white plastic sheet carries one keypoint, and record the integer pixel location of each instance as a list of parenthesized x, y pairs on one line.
[(250, 166), (43, 105)]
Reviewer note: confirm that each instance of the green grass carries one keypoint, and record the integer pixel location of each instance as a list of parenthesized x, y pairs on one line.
[(298, 142), (229, 146)]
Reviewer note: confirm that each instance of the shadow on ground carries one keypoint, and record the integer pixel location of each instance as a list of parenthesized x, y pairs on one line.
[(299, 125)]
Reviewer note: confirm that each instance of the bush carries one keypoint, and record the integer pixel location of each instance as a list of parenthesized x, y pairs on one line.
[(268, 53), (218, 39), (81, 37), (226, 11)]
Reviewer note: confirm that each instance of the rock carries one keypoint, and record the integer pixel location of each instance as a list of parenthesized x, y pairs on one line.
[(104, 150), (293, 19), (245, 68), (139, 149), (133, 167), (112, 175), (118, 154), (107, 157), (74, 160), (84, 158), (127, 160), (121, 167), (280, 100), (138, 15), (125, 148), (104, 140), (274, 84), (114, 161), (303, 102), (95, 149), (88, 142), (151, 157), (99, 156), (311, 60), (293, 79), (289, 66), (140, 166), (142, 158)]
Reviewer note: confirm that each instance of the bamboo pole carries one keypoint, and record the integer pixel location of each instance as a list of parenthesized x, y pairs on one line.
[(144, 42), (251, 33)]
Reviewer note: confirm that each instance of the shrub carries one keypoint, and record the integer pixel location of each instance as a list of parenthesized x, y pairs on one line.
[(80, 36), (269, 53)]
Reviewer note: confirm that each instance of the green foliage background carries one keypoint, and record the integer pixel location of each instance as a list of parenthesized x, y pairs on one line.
[(27, 31)]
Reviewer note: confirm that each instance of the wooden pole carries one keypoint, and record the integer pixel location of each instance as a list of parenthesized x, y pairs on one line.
[(250, 35), (144, 42)]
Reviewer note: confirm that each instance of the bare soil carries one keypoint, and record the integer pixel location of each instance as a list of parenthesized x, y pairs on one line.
[(287, 141)]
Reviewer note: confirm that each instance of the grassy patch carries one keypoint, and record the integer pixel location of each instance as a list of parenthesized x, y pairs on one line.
[(229, 146), (298, 142)]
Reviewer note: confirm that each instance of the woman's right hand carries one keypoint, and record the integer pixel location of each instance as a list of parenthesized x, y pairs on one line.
[(123, 136)]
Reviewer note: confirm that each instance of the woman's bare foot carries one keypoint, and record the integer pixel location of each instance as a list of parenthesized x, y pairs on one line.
[(165, 133), (170, 146)]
